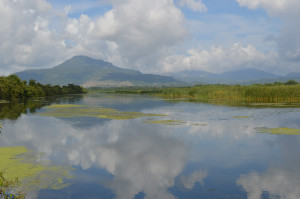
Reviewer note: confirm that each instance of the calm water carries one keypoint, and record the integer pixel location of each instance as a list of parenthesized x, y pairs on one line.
[(212, 151)]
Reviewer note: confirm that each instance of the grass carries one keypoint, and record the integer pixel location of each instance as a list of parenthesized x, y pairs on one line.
[(65, 110), (237, 93), (277, 93), (279, 131)]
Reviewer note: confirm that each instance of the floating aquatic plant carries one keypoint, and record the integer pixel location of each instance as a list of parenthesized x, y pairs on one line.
[(199, 124), (165, 122), (31, 172), (280, 131), (241, 117), (67, 110)]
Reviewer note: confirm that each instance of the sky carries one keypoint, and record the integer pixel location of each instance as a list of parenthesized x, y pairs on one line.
[(153, 36)]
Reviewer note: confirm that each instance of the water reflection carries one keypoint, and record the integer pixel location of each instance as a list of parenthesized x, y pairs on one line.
[(214, 153), (280, 180), (140, 159), (13, 110)]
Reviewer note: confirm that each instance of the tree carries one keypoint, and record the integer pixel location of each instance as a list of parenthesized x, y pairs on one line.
[(291, 82)]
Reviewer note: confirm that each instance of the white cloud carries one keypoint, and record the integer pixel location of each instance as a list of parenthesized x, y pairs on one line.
[(218, 59), (288, 11), (194, 5), (140, 28), (26, 37), (143, 35), (273, 7)]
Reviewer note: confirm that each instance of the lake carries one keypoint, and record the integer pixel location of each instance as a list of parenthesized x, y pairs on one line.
[(129, 146)]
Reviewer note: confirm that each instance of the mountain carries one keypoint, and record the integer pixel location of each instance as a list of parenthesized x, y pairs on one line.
[(244, 76), (89, 72)]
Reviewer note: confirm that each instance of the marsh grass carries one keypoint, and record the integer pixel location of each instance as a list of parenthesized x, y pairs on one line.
[(237, 93), (276, 94), (279, 131), (66, 110)]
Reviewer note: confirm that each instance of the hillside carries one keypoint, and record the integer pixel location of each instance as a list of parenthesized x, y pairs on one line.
[(89, 72), (244, 76)]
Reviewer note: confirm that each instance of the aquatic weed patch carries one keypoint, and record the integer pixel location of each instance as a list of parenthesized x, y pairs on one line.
[(279, 131), (66, 110), (31, 172), (241, 117), (165, 122)]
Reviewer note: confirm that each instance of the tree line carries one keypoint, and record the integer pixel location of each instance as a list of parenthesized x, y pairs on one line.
[(12, 87)]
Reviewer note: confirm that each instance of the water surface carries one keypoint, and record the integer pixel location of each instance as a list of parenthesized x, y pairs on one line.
[(210, 151)]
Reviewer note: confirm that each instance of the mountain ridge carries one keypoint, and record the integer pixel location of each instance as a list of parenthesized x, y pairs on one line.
[(89, 72), (242, 76)]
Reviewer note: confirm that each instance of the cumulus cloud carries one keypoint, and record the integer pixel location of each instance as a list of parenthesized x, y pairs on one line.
[(218, 59), (130, 31), (26, 34), (288, 40), (196, 6), (140, 28)]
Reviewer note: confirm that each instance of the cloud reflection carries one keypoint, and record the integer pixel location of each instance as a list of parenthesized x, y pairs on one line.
[(281, 180), (141, 159)]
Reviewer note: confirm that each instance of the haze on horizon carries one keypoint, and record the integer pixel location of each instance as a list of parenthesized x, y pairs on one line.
[(157, 36)]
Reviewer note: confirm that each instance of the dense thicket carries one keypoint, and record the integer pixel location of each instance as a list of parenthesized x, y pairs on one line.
[(11, 87)]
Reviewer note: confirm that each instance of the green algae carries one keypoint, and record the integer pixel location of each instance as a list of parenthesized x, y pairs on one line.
[(31, 172), (279, 131), (165, 122), (241, 117), (199, 124), (67, 110)]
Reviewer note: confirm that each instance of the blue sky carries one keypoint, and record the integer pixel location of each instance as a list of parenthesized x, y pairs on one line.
[(157, 36)]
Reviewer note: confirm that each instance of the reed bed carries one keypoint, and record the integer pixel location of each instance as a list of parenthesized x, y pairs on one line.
[(251, 93)]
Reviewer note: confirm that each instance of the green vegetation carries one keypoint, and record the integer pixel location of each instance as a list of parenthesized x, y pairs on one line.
[(7, 185), (280, 131), (11, 87), (165, 122), (66, 110), (241, 117), (24, 171), (277, 92)]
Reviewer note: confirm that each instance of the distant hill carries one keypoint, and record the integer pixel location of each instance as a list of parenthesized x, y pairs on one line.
[(245, 76), (89, 72)]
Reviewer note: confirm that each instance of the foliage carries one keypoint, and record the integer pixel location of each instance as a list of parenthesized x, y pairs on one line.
[(11, 87), (8, 184)]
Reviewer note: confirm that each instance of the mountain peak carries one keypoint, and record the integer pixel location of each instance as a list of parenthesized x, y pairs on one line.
[(84, 70)]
